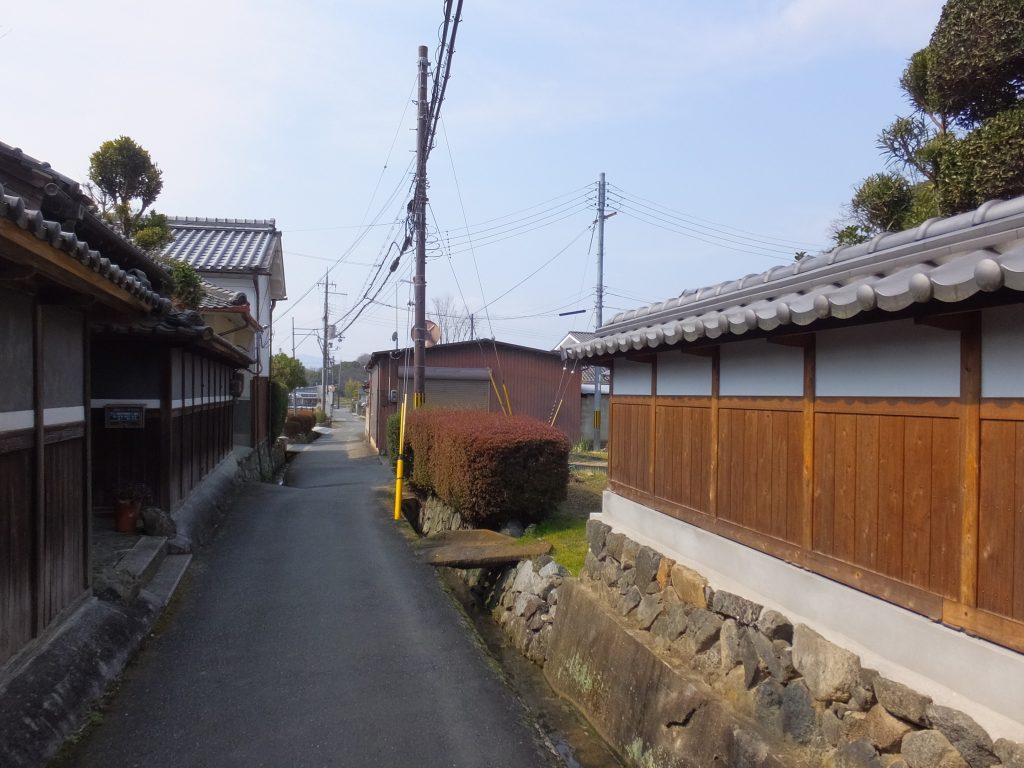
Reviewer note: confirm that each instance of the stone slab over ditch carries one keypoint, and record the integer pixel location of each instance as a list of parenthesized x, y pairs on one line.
[(476, 548)]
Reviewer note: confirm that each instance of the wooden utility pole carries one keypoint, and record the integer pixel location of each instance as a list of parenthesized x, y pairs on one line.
[(419, 329), (599, 307)]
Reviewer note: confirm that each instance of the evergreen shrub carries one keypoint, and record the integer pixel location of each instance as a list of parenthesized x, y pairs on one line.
[(278, 407), (489, 467)]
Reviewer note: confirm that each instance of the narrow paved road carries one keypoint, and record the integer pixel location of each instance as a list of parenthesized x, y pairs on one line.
[(309, 636)]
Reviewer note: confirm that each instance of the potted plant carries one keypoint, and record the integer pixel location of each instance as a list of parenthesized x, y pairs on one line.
[(128, 501)]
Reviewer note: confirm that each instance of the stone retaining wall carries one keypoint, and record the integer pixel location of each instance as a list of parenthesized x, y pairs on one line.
[(788, 679)]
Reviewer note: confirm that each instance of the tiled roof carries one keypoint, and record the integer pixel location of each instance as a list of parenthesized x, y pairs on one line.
[(215, 297), (133, 281), (947, 260), (223, 245), (186, 327), (588, 376)]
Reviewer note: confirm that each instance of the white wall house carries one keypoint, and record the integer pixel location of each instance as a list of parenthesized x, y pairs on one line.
[(239, 256)]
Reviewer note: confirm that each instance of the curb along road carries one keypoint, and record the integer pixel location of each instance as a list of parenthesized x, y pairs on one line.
[(310, 636)]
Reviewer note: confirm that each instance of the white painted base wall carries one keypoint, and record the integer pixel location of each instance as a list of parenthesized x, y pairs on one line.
[(979, 678)]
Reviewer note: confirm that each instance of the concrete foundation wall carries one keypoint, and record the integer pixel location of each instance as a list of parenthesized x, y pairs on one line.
[(979, 678)]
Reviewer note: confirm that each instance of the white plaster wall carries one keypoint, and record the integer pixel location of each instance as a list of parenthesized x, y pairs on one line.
[(1002, 354), (897, 359), (760, 369), (680, 374), (261, 310), (630, 378), (979, 678)]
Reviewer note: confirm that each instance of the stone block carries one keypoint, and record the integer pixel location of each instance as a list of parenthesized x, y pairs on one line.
[(627, 580), (799, 717), (610, 572), (703, 630), (537, 621), (596, 534), (930, 749), (613, 545), (648, 610), (969, 738), (784, 653), (766, 657), (689, 585), (832, 728), (856, 754), (527, 605), (552, 569), (767, 696), (591, 566), (629, 552), (524, 577), (1010, 753), (671, 624), (736, 607), (647, 563), (664, 574), (830, 672), (901, 701), (541, 586), (630, 601), (894, 761), (883, 731), (775, 626)]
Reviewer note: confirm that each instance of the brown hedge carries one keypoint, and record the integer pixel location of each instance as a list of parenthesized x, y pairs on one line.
[(298, 422), (489, 467)]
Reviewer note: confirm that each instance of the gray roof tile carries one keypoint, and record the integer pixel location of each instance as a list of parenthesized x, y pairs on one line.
[(223, 245), (133, 281), (947, 260)]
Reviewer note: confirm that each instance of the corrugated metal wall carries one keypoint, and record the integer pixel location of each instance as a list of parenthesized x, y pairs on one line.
[(538, 384)]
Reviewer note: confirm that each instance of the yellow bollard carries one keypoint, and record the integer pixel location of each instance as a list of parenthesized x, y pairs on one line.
[(400, 467)]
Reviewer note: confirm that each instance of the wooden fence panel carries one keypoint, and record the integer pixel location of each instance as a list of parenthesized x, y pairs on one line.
[(15, 551), (1001, 519), (630, 445), (886, 498), (760, 470), (64, 574), (682, 473)]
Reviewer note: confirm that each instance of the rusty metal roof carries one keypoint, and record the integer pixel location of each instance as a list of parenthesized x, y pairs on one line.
[(134, 281), (945, 260)]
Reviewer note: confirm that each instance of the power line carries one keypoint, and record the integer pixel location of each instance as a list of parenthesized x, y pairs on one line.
[(700, 222)]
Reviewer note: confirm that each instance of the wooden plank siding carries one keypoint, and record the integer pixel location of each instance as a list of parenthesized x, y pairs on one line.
[(886, 495), (16, 565)]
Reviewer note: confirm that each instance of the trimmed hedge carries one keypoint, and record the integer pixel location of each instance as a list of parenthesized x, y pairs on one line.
[(299, 422), (489, 467), (394, 429), (278, 407)]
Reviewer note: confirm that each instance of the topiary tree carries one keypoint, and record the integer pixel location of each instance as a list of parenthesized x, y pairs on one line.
[(128, 182), (975, 66)]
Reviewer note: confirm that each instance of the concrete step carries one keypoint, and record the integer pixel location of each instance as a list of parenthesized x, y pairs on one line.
[(142, 561), (168, 576)]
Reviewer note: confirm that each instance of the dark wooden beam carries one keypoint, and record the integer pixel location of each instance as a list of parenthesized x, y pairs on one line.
[(14, 272), (970, 434), (25, 248), (799, 340)]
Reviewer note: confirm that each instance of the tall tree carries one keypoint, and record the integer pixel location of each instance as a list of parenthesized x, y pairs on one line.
[(455, 323), (128, 183), (971, 77), (287, 370)]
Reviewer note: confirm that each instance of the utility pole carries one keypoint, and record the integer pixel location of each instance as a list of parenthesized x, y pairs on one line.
[(419, 329), (599, 308), (293, 338)]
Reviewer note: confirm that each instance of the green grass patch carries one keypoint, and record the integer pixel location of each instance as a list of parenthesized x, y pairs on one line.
[(566, 529)]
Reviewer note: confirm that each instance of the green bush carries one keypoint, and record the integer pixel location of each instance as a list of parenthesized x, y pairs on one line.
[(489, 467), (394, 428), (299, 423), (278, 407), (320, 415)]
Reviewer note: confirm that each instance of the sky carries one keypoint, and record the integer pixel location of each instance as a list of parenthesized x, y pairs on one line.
[(731, 135)]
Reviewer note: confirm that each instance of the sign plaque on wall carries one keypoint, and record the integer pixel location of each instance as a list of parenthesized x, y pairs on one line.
[(124, 416)]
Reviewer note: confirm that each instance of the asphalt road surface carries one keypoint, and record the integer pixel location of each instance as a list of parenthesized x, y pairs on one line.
[(308, 635)]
